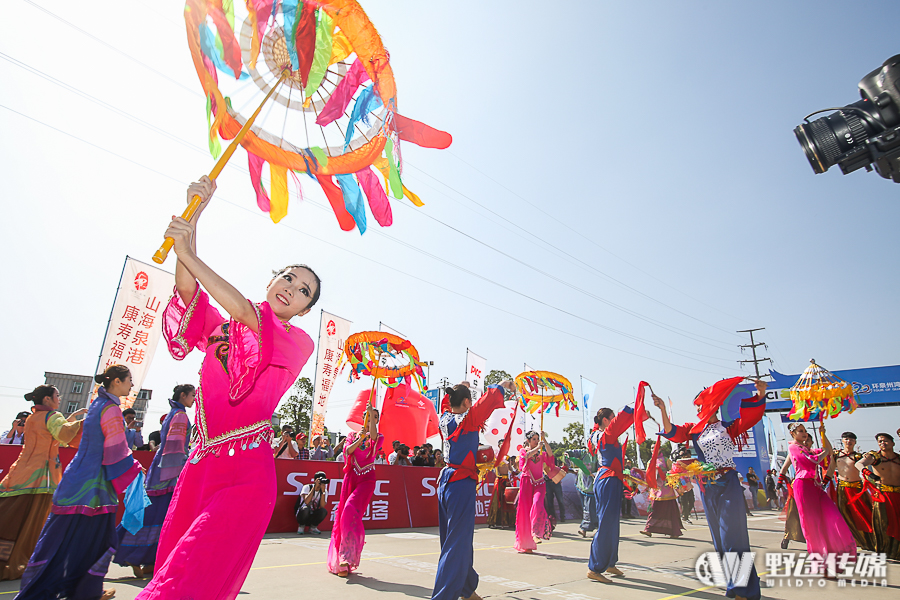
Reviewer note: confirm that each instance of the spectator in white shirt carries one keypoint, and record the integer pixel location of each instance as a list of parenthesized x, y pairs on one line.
[(312, 504), (16, 434), (392, 457)]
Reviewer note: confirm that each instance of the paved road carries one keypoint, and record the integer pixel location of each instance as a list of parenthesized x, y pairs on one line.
[(402, 563)]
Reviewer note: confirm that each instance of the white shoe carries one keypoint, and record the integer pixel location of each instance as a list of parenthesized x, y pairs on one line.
[(315, 530), (300, 530)]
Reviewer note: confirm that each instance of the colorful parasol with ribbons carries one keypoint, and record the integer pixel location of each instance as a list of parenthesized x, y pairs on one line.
[(819, 394), (384, 357), (324, 77), (543, 391)]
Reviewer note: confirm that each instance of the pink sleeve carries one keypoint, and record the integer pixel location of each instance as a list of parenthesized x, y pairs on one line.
[(187, 327), (115, 446), (119, 466), (523, 462)]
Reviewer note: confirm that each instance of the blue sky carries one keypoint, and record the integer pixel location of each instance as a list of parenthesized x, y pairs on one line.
[(623, 192)]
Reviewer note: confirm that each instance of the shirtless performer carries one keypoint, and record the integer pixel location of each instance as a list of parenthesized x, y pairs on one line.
[(885, 465), (855, 506)]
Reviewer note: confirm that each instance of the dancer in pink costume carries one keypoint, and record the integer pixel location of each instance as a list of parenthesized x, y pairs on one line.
[(824, 528), (224, 498), (532, 523), (348, 536)]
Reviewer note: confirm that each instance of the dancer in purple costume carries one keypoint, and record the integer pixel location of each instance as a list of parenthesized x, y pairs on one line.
[(138, 550)]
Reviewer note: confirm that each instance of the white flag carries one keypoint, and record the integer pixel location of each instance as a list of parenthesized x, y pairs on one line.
[(476, 371), (333, 332), (135, 323)]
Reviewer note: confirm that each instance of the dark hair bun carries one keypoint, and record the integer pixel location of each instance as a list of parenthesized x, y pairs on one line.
[(99, 378), (448, 390), (30, 396)]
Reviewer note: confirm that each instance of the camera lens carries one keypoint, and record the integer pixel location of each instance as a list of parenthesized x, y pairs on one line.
[(825, 141)]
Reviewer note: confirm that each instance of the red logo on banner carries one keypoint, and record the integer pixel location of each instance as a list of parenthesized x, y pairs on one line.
[(331, 328), (475, 371), (141, 281)]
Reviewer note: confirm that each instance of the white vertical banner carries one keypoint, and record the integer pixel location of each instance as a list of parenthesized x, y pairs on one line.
[(135, 322), (333, 332), (476, 371)]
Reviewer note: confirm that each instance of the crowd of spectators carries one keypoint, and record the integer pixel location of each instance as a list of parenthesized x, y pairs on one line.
[(291, 445)]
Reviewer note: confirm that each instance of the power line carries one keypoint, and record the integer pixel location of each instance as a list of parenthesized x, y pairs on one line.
[(530, 238), (362, 256), (113, 48), (418, 213), (579, 234)]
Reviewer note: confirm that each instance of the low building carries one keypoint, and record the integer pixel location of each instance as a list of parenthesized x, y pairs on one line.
[(75, 393), (74, 390)]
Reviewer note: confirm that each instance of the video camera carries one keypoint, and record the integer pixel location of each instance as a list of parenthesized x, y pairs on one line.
[(861, 134)]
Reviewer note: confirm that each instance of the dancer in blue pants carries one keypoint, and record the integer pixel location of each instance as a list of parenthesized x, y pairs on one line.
[(714, 441), (460, 423), (608, 486)]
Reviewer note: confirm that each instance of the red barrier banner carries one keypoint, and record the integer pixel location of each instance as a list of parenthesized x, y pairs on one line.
[(404, 496)]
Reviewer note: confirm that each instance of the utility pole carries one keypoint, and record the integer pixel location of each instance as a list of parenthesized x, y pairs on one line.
[(753, 345)]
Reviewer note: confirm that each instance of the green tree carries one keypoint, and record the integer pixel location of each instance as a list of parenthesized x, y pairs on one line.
[(573, 439), (496, 376), (665, 449), (296, 409)]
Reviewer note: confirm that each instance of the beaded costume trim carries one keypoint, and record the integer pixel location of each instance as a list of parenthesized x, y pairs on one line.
[(252, 436)]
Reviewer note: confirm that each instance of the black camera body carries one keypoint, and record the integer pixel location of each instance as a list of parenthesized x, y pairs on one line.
[(861, 134)]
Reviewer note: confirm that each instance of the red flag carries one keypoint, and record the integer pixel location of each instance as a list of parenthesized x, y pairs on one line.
[(640, 413), (711, 399)]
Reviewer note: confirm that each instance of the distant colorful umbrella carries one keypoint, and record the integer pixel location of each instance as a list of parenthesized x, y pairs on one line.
[(820, 394)]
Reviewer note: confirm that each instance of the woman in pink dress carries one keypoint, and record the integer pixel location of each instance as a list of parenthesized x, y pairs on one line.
[(824, 528), (224, 498), (348, 536), (532, 523)]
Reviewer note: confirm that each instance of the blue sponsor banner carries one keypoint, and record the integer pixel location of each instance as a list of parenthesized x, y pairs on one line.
[(873, 386), (435, 397)]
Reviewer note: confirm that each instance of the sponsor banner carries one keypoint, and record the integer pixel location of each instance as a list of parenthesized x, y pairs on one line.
[(135, 323), (476, 371), (333, 332), (404, 496)]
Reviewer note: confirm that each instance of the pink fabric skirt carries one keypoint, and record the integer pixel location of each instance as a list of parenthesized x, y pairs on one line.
[(823, 526), (531, 516), (348, 535), (220, 510)]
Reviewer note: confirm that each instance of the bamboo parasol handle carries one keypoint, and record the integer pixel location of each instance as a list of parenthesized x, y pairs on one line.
[(160, 256)]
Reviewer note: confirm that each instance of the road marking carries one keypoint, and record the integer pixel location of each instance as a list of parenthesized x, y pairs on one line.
[(438, 553)]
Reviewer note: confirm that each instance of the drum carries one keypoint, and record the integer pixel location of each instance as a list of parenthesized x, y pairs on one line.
[(510, 494), (485, 455)]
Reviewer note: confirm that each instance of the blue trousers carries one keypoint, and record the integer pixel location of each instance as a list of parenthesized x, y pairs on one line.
[(605, 545), (456, 576), (588, 512), (726, 514)]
